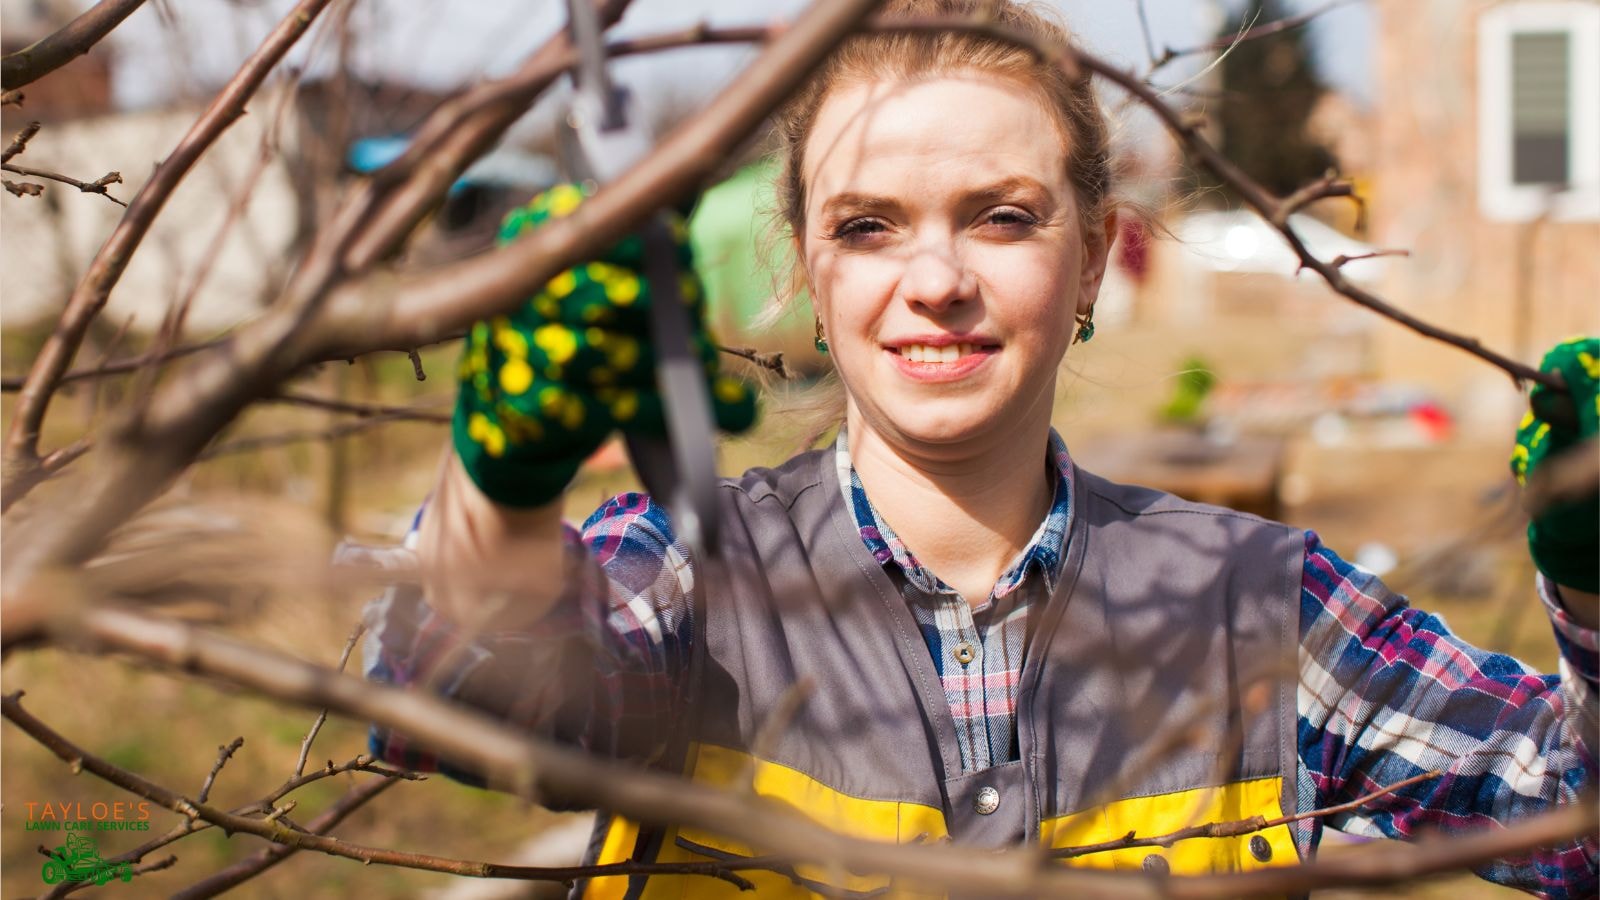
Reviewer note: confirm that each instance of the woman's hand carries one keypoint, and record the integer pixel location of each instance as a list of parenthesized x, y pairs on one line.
[(542, 388), (1564, 539)]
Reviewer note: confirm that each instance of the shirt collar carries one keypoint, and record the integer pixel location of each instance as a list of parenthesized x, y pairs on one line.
[(1044, 551)]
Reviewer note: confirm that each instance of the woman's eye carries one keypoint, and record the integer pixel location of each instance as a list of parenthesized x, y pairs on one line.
[(856, 231), (1010, 218)]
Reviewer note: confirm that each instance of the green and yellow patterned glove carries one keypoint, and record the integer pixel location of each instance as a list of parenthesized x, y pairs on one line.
[(542, 388), (1565, 538)]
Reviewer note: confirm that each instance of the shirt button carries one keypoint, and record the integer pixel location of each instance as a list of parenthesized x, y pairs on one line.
[(1260, 848), (987, 801), (965, 653), (1155, 864)]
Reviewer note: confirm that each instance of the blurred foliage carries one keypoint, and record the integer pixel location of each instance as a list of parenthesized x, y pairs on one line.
[(1195, 382), (1269, 91)]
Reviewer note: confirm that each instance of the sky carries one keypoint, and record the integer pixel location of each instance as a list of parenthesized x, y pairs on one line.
[(442, 44)]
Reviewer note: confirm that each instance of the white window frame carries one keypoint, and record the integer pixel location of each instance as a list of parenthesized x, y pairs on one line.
[(1499, 198)]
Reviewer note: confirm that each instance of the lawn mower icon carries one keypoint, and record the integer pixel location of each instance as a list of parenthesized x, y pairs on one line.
[(79, 860)]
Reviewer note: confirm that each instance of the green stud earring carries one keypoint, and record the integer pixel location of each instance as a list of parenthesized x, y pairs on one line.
[(821, 340), (1085, 328)]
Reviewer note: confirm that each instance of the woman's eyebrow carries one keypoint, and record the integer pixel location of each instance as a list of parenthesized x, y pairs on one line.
[(857, 202), (1004, 189), (1009, 188)]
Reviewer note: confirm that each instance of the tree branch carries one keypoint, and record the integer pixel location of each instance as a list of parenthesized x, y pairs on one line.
[(1265, 29), (1234, 828), (98, 186), (510, 758), (20, 142), (22, 441), (272, 829), (267, 857), (45, 56), (322, 715)]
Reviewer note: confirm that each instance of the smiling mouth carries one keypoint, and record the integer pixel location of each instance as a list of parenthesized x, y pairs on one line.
[(949, 353)]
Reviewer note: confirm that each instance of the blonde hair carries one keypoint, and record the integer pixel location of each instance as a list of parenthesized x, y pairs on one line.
[(909, 55), (904, 55)]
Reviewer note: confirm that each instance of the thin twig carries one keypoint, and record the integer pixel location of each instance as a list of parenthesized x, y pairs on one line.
[(22, 188), (1265, 29), (19, 143), (356, 408), (322, 716), (14, 383), (334, 432), (267, 857), (1234, 828), (98, 186), (224, 753), (773, 361), (1149, 38)]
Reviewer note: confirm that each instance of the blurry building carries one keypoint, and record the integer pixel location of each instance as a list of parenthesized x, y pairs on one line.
[(1488, 170)]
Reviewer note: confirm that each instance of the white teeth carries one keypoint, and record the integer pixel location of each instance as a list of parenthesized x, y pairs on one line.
[(924, 353)]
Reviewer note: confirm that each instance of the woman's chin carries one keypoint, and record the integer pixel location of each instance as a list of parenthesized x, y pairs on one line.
[(941, 424)]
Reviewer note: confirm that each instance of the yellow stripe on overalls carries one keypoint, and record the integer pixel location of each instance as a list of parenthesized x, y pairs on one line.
[(901, 822)]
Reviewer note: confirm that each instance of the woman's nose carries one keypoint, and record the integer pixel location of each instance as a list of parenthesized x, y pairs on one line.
[(936, 278)]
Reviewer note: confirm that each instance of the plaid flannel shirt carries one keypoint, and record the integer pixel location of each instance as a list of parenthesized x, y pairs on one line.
[(1385, 691)]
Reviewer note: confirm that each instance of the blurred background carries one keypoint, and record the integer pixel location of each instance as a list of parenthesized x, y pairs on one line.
[(1471, 128)]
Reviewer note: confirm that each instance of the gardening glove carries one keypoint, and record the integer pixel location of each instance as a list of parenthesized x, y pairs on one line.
[(542, 388), (1564, 539)]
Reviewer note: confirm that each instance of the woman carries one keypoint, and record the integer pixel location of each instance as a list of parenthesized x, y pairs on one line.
[(997, 646)]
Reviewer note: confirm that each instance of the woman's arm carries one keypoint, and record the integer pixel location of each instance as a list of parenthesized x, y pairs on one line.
[(1388, 692), (518, 614)]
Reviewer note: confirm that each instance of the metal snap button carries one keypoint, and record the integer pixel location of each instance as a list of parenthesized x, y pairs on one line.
[(987, 801), (1260, 848), (1156, 864), (964, 653)]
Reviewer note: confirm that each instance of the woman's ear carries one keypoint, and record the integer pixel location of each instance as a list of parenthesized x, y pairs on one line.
[(1097, 243)]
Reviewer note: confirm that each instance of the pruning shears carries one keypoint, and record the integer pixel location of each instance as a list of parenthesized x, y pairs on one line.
[(681, 470)]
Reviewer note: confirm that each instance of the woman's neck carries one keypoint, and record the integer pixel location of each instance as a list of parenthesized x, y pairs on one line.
[(964, 512)]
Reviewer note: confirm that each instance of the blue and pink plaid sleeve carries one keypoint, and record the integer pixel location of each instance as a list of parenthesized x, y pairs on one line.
[(1387, 692), (598, 672)]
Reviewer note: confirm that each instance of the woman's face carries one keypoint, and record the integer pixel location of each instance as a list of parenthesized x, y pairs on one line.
[(945, 256)]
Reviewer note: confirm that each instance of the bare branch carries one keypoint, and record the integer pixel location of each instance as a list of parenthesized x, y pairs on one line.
[(1268, 206), (224, 753), (1329, 185), (22, 188), (272, 829), (45, 56), (266, 858), (1340, 261), (773, 362), (22, 441), (14, 383), (333, 432), (1234, 828), (20, 142), (322, 715), (364, 410), (98, 186), (1266, 29)]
